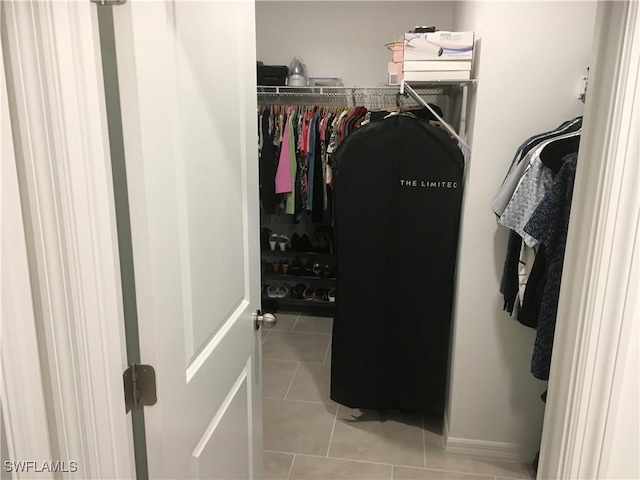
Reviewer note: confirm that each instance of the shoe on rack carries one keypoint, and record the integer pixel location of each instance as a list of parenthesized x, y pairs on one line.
[(283, 240), (305, 243), (331, 295), (328, 271), (265, 233), (272, 291), (296, 267), (298, 291), (316, 269), (295, 242), (308, 294), (323, 237), (326, 243), (283, 291), (319, 295), (273, 241), (307, 270)]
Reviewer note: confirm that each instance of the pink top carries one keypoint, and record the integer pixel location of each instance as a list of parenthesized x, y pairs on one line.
[(283, 172)]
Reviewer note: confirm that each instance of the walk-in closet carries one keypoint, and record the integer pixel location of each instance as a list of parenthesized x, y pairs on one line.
[(480, 414)]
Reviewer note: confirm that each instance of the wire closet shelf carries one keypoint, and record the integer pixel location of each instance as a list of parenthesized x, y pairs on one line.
[(373, 98)]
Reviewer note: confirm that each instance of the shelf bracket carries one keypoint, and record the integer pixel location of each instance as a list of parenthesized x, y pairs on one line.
[(406, 88)]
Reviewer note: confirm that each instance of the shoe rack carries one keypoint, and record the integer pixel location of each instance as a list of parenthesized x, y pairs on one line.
[(298, 266)]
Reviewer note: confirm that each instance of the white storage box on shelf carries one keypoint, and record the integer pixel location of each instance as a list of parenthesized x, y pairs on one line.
[(435, 66), (440, 46), (426, 76)]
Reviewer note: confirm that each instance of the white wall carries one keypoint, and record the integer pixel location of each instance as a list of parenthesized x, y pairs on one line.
[(343, 39), (529, 58)]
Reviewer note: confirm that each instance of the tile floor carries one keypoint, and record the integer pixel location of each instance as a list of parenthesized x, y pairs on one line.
[(308, 436)]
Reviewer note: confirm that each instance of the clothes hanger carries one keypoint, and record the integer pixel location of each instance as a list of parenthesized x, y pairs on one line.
[(554, 152), (400, 107)]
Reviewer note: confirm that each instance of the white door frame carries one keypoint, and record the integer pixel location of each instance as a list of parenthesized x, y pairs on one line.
[(600, 285), (60, 137), (56, 102), (22, 399)]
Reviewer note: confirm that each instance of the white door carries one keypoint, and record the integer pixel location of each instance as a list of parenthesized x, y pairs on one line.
[(188, 95)]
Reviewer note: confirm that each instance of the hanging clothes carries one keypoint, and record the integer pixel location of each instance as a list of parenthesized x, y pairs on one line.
[(521, 161), (549, 224), (283, 173), (297, 167), (311, 159), (531, 189), (316, 181), (303, 142), (536, 208), (532, 299), (293, 163), (398, 193), (268, 163), (516, 268)]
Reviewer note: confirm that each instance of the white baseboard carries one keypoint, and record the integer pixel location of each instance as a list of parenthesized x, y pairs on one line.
[(503, 452)]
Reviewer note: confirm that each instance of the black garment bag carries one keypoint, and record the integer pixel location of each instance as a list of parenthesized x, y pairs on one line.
[(398, 193)]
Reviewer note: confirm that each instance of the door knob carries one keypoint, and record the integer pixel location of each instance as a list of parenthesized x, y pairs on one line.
[(266, 320)]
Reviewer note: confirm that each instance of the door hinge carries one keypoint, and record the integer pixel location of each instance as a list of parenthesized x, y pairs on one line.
[(139, 386), (109, 2)]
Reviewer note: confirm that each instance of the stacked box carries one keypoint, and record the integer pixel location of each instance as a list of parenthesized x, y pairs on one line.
[(394, 68), (437, 56), (395, 73)]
